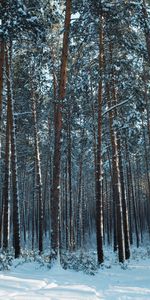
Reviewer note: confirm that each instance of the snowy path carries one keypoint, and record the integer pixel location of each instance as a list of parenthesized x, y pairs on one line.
[(29, 281)]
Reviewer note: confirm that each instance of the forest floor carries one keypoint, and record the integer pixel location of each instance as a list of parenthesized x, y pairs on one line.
[(29, 281)]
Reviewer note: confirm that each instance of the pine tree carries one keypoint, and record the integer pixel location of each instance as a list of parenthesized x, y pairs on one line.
[(58, 132), (16, 219)]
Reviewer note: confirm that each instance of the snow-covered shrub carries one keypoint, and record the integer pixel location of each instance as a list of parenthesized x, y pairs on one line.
[(79, 261), (28, 256), (6, 261), (140, 253), (148, 251)]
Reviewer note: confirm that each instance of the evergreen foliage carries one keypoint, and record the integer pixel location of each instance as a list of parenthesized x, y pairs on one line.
[(74, 127)]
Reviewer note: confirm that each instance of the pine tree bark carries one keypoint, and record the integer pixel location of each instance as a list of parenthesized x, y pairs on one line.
[(133, 210), (1, 75), (71, 238), (58, 133), (6, 185), (116, 185), (124, 205), (38, 175), (10, 103), (121, 186), (2, 54), (99, 208), (146, 98), (146, 27), (79, 203)]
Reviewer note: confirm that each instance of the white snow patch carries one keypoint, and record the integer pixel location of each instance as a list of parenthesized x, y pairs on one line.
[(29, 281), (75, 16)]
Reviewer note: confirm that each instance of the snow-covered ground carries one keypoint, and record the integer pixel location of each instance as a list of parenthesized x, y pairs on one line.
[(29, 281)]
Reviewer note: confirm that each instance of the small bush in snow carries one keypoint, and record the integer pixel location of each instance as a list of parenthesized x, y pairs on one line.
[(79, 262), (28, 256), (6, 260)]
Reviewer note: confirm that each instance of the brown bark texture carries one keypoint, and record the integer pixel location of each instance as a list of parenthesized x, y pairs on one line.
[(16, 221), (99, 210), (58, 134)]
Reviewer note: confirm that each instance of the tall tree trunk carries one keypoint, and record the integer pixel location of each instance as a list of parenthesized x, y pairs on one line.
[(116, 185), (146, 98), (146, 27), (6, 188), (120, 165), (71, 241), (10, 103), (1, 81), (66, 205), (2, 46), (133, 210), (124, 204), (99, 209), (58, 133), (38, 175), (113, 205), (79, 202)]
